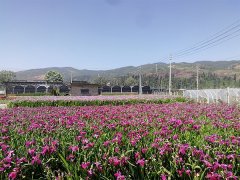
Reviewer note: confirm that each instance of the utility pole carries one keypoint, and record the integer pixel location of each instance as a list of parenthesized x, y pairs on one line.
[(161, 87), (71, 77), (197, 82), (170, 75), (140, 81), (158, 83)]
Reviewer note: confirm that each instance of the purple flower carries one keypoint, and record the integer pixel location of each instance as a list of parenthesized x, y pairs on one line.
[(106, 143), (6, 166), (2, 169), (32, 152), (29, 143), (116, 161), (144, 150), (4, 147), (88, 146), (155, 145), (231, 156), (215, 166), (175, 137), (183, 148), (74, 148), (85, 165), (6, 138), (55, 143), (85, 141), (208, 164), (141, 162), (213, 176), (180, 172), (71, 157), (98, 165), (230, 175), (224, 166), (163, 177), (45, 150), (90, 172), (119, 176), (4, 130), (116, 149), (36, 160), (133, 142), (13, 175), (7, 159), (137, 155), (188, 172), (124, 160), (196, 127)]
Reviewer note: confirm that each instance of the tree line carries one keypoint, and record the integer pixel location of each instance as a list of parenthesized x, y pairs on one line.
[(50, 76), (206, 80)]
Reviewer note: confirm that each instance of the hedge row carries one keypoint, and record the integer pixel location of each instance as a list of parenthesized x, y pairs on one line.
[(92, 102)]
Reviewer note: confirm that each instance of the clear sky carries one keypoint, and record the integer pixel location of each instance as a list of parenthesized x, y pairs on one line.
[(106, 34)]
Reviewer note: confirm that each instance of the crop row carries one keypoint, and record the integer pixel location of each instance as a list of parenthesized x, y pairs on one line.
[(91, 100)]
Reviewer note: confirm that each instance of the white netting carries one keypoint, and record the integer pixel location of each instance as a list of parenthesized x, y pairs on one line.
[(228, 95), (2, 90)]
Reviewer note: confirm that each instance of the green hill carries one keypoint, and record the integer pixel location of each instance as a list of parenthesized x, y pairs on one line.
[(215, 70)]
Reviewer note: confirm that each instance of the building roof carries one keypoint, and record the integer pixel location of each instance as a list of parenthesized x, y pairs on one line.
[(81, 83)]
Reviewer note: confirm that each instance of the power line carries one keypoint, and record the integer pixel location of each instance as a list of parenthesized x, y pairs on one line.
[(214, 40), (211, 38), (210, 45), (220, 37)]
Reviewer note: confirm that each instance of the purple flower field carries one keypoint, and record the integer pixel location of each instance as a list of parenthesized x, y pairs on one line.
[(141, 141)]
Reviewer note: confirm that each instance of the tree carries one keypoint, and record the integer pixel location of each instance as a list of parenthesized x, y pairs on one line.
[(130, 81), (6, 76), (53, 76), (102, 81)]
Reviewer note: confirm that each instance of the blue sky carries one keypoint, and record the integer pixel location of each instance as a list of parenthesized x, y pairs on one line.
[(106, 34)]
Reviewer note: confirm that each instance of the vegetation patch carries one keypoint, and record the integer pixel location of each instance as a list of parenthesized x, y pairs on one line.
[(92, 101)]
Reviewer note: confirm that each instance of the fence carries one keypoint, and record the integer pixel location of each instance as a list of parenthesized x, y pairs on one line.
[(228, 95)]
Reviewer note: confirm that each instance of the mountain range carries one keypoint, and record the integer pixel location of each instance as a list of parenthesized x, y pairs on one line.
[(180, 70)]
